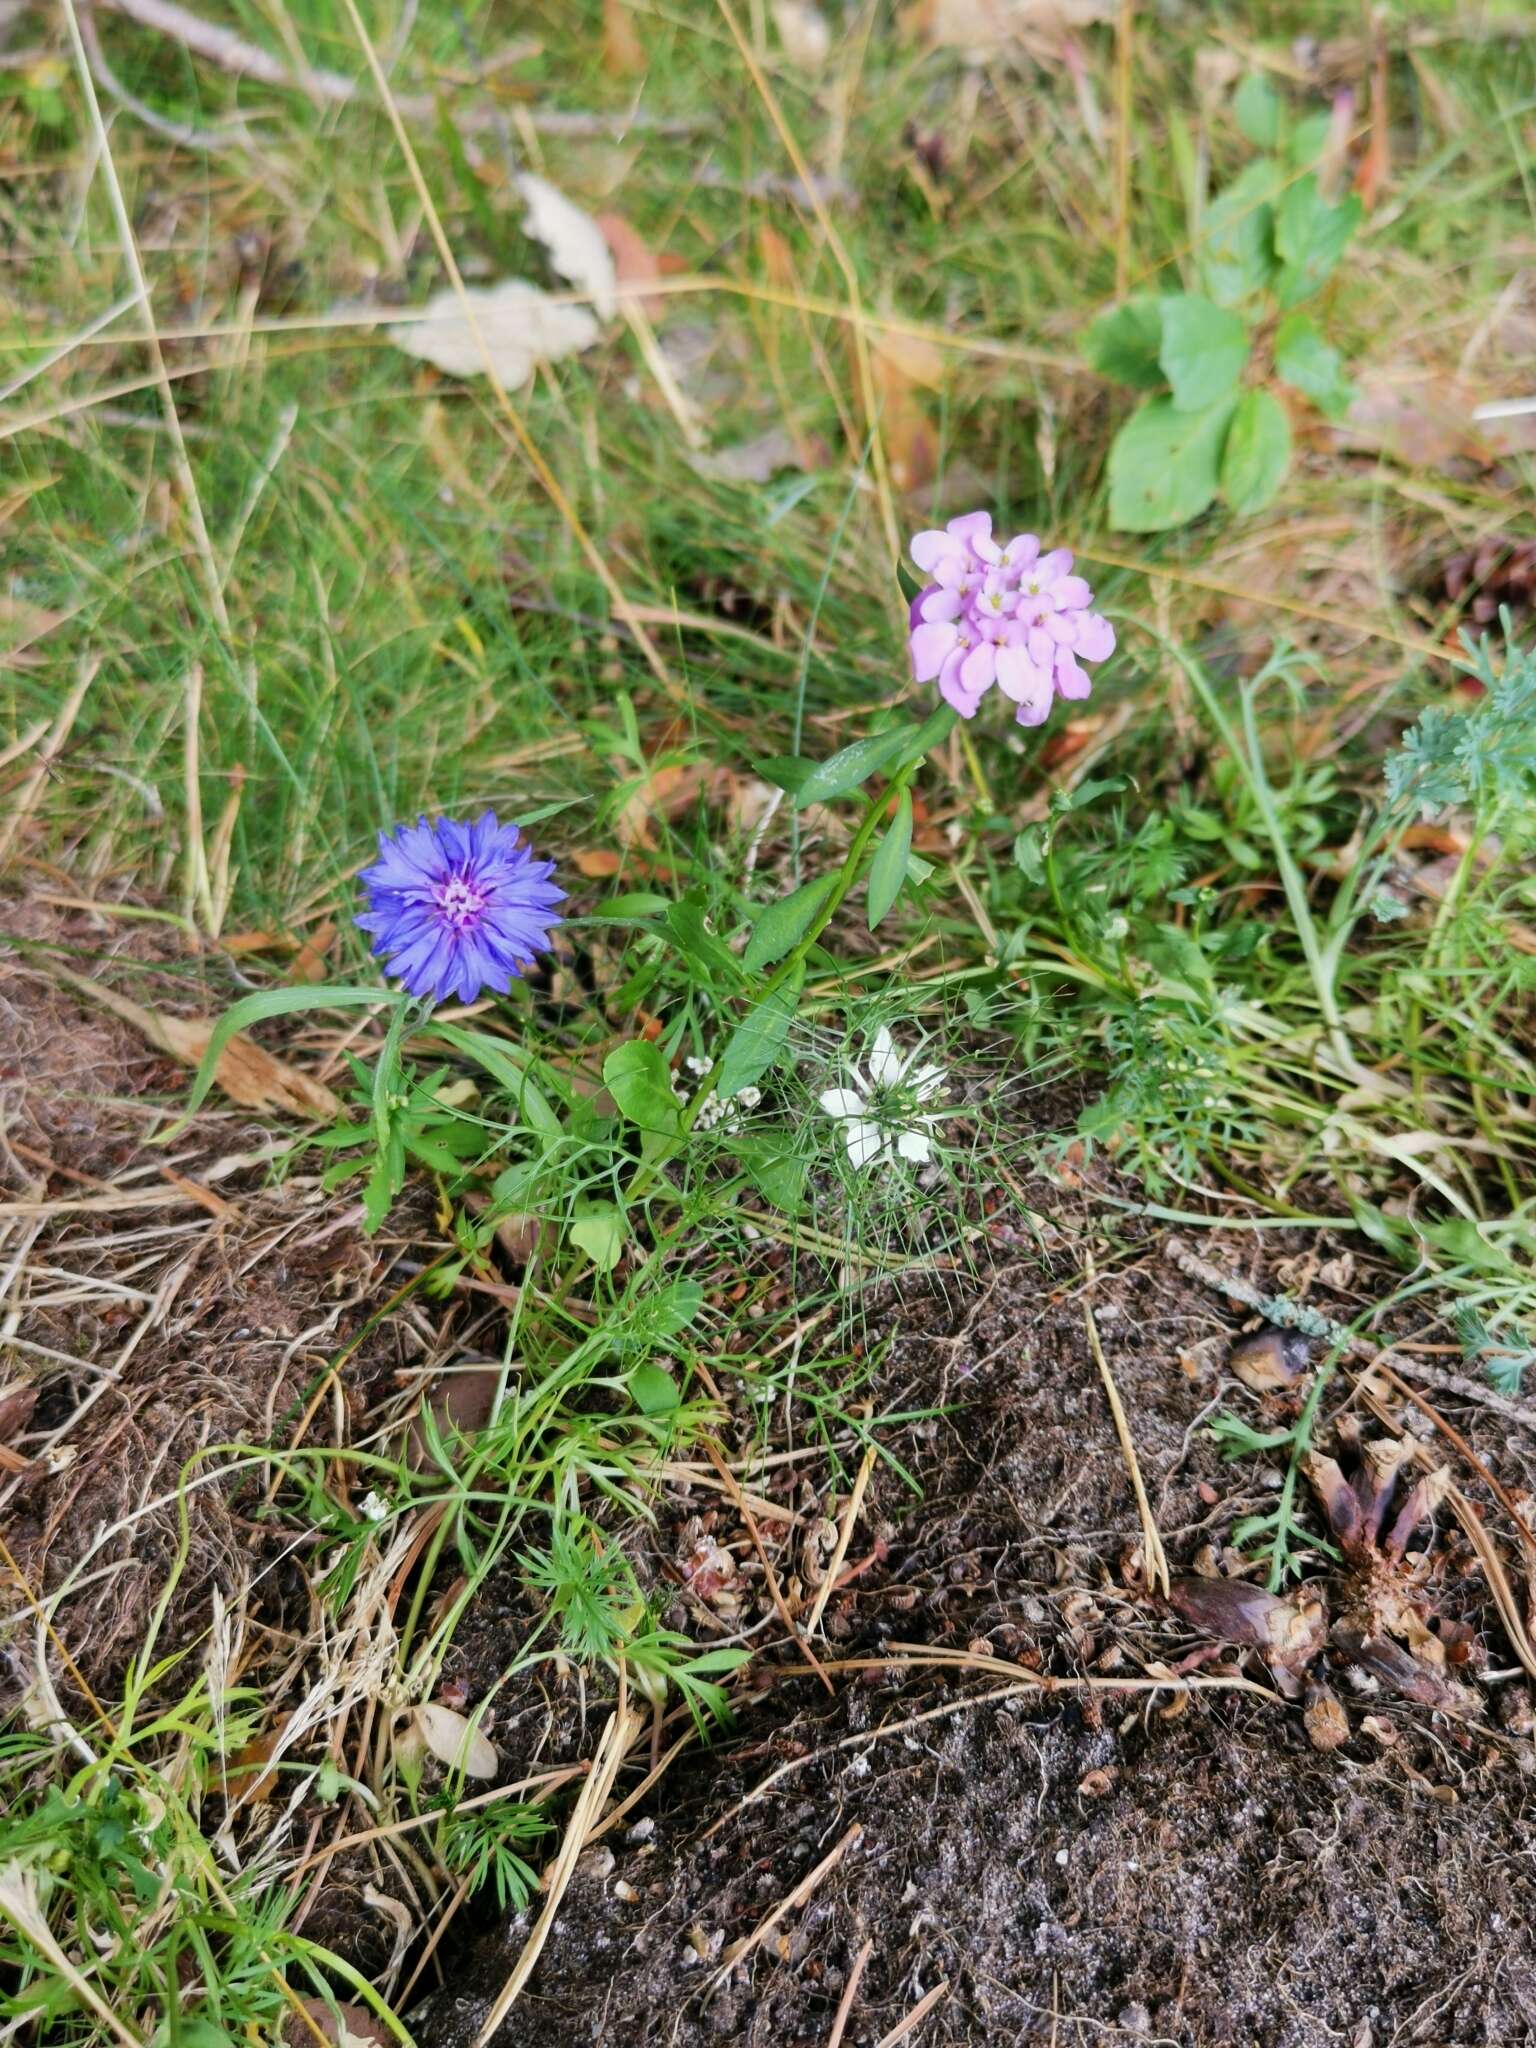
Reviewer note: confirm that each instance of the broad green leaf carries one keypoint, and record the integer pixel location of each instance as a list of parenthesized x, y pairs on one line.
[(783, 923), (653, 1389), (1308, 139), (1165, 465), (1258, 112), (1313, 366), (852, 765), (1236, 244), (759, 1038), (888, 869), (775, 1169), (704, 950), (1028, 857), (784, 771), (656, 1317), (1124, 343), (1310, 237), (270, 1002), (638, 1078), (1203, 352), (1257, 453), (598, 1230)]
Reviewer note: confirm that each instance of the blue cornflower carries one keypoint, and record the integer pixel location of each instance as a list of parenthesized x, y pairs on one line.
[(459, 908)]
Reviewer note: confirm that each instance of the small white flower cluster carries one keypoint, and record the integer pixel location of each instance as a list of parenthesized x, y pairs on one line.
[(885, 1115), (715, 1115)]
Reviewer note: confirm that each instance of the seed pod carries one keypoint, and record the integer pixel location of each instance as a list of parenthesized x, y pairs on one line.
[(1324, 1719), (1340, 1501), (1376, 1481), (1290, 1632), (1407, 1676), (1270, 1360)]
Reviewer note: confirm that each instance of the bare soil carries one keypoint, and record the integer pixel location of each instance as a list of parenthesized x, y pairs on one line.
[(1081, 1866)]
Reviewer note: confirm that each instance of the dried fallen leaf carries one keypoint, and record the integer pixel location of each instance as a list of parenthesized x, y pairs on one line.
[(309, 962), (347, 2026), (574, 241), (623, 53), (804, 33), (750, 462), (250, 1775), (246, 1074), (983, 28), (16, 1405), (635, 261), (459, 1402), (911, 444), (454, 1741), (521, 327)]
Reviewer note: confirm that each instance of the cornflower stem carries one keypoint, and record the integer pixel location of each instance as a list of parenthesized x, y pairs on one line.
[(650, 1170)]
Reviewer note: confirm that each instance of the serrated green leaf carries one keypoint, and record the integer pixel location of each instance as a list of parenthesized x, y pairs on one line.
[(759, 1038), (1203, 351), (1236, 244), (638, 1078), (888, 869), (853, 765), (1257, 453), (1165, 465), (782, 924), (1312, 366), (1257, 110), (1124, 342)]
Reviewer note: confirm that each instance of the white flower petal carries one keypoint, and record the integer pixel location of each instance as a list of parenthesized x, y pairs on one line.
[(885, 1063), (914, 1145), (928, 1082), (865, 1141), (842, 1102)]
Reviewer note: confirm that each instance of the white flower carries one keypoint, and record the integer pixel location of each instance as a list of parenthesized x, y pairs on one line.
[(883, 1115), (373, 1508)]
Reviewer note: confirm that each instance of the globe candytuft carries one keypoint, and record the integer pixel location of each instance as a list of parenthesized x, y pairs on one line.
[(1009, 615), (458, 908)]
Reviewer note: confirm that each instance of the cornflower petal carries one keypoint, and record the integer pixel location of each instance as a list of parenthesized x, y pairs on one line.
[(456, 908)]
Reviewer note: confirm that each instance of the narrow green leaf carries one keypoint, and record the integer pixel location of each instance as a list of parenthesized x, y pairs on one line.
[(1165, 465), (1204, 349), (784, 771), (507, 1064), (783, 923), (638, 1078), (271, 1002), (759, 1038), (888, 869), (846, 769), (1258, 452)]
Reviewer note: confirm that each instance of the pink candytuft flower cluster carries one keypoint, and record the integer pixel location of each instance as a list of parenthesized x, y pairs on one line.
[(1006, 615)]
